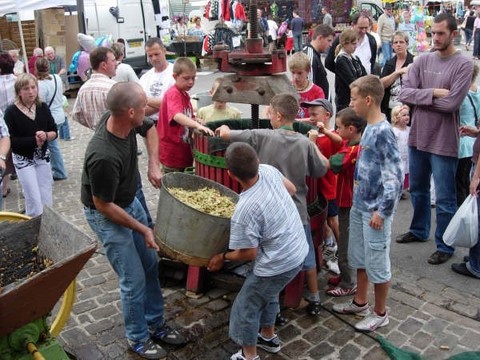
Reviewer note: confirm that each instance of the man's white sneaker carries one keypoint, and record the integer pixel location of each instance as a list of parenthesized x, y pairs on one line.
[(351, 308), (372, 322)]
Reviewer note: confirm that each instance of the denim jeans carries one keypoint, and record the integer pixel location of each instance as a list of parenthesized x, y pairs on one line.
[(310, 261), (141, 197), (468, 36), (56, 160), (443, 168), (369, 248), (64, 130), (256, 305), (348, 276), (137, 270), (473, 263), (386, 52), (476, 44), (297, 43)]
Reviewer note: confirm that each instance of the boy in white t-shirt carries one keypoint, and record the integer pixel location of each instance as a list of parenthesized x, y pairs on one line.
[(266, 228)]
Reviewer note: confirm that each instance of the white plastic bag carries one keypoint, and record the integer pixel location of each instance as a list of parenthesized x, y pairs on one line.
[(463, 228)]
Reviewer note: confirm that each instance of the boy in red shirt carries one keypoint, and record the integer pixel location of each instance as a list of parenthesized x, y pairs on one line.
[(350, 127), (176, 118), (329, 142)]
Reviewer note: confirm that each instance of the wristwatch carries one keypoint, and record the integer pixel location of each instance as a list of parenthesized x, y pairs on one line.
[(3, 157)]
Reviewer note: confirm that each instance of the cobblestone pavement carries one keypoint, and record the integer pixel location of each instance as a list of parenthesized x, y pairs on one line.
[(427, 317)]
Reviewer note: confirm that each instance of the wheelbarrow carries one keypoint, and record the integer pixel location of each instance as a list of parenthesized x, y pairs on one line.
[(26, 303)]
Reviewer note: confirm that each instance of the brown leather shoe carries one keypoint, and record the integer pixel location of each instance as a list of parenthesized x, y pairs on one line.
[(438, 258)]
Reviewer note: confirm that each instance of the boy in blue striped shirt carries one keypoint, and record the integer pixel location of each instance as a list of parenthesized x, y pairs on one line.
[(266, 228)]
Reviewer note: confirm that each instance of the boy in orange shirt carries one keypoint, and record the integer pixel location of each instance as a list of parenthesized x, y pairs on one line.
[(329, 142), (350, 127)]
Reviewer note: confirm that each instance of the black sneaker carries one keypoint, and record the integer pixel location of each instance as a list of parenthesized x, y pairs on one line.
[(147, 349), (168, 335), (314, 307), (272, 345), (408, 238), (280, 320)]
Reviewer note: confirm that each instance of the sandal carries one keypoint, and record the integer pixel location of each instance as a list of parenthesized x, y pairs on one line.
[(338, 291)]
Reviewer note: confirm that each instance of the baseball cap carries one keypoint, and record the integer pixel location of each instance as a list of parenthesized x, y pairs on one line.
[(319, 102)]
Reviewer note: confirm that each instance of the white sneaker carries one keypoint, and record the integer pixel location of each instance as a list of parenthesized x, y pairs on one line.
[(239, 356), (351, 308), (329, 252), (332, 265), (372, 322)]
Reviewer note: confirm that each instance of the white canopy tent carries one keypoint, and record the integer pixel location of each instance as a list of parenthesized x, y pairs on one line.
[(17, 6), (13, 6)]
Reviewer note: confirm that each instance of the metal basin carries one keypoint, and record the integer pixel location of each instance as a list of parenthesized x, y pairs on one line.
[(187, 234)]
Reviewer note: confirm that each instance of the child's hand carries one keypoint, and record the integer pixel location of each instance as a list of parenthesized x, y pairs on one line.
[(376, 222), (321, 127), (205, 130), (215, 263), (222, 131), (313, 135)]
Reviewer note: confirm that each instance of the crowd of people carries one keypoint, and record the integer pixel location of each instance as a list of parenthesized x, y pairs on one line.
[(397, 125)]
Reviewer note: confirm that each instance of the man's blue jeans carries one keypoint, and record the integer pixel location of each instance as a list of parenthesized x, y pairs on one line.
[(56, 160), (422, 166), (386, 51), (141, 197), (137, 270), (297, 42)]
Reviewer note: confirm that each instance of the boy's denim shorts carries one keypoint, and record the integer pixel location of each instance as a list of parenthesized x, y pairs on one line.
[(310, 261), (256, 305), (368, 248)]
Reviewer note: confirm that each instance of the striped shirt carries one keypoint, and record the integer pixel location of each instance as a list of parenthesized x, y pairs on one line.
[(91, 101), (267, 218)]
